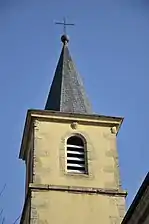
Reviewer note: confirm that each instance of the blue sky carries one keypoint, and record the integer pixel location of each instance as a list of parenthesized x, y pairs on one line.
[(110, 47)]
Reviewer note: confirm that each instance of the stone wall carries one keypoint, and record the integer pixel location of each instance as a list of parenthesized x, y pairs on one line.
[(55, 207)]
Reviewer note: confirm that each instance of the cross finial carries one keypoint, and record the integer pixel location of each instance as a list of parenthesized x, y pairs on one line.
[(65, 24)]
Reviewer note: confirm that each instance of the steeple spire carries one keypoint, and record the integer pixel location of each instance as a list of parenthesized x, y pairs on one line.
[(67, 92)]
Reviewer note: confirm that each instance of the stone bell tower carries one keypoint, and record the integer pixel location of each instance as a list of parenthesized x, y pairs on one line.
[(72, 171)]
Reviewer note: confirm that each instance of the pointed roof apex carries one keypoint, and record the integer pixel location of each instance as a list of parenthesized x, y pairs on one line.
[(67, 93)]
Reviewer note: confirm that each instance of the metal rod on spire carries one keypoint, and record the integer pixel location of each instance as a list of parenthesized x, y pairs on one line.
[(64, 24)]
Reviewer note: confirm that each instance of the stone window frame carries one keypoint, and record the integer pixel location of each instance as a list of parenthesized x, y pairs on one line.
[(89, 151), (78, 135)]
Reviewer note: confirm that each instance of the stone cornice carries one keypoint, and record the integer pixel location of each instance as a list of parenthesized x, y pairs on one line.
[(87, 190), (71, 116)]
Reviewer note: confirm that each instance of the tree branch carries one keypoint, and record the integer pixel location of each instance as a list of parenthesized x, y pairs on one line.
[(2, 191), (16, 220)]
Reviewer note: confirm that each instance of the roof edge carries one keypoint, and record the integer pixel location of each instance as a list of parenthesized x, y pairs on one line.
[(136, 200), (79, 115)]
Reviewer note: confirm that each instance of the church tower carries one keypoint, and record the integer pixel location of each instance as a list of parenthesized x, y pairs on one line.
[(72, 171)]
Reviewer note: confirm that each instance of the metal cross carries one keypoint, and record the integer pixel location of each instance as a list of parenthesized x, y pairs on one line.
[(65, 24)]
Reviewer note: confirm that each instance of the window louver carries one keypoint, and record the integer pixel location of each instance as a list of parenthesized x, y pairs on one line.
[(75, 155)]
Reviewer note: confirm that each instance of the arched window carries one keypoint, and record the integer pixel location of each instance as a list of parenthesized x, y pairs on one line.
[(76, 155)]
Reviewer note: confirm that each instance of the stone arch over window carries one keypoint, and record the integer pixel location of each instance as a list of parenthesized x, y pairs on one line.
[(76, 153)]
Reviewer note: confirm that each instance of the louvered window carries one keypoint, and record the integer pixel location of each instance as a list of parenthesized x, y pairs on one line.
[(76, 159)]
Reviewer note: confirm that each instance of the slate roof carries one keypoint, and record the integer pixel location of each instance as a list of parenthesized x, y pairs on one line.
[(136, 201), (67, 93)]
